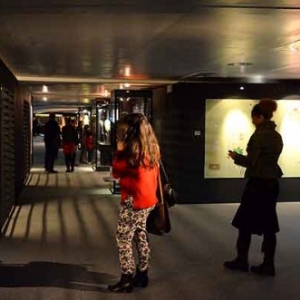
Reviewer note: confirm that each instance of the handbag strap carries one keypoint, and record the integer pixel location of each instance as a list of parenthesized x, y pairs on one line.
[(164, 171), (161, 194)]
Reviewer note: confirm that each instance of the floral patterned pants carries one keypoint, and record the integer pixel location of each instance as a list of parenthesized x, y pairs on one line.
[(132, 227)]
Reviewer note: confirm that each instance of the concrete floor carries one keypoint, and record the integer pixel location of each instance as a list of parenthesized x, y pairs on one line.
[(59, 244)]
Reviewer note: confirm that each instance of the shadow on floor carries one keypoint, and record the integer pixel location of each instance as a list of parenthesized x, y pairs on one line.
[(50, 274)]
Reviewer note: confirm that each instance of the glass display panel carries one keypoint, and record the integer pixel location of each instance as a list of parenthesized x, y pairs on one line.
[(104, 122), (130, 105), (228, 126)]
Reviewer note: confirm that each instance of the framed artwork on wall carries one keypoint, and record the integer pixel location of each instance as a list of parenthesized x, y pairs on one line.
[(228, 127)]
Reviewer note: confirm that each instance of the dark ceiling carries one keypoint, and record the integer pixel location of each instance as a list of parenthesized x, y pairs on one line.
[(83, 49)]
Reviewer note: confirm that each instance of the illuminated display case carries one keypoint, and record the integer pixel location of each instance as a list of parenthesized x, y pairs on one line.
[(104, 123), (228, 127), (108, 111), (133, 101)]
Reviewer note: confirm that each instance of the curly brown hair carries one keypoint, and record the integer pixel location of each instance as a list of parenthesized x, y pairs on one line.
[(141, 145), (265, 108)]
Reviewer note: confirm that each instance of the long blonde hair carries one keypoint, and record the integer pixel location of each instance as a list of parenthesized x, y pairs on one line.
[(141, 145)]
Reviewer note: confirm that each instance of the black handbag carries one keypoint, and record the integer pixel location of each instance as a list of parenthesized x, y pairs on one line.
[(170, 195), (158, 221)]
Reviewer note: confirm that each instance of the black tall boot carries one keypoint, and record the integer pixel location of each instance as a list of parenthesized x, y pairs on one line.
[(240, 263), (267, 267), (141, 278), (125, 285)]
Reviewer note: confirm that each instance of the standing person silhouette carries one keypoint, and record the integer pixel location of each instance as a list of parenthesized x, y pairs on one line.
[(70, 142), (83, 152), (136, 164), (257, 211), (89, 145), (51, 138)]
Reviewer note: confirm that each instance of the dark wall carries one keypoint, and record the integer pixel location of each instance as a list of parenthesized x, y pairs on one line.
[(22, 137), (14, 140), (7, 146), (182, 113), (166, 123)]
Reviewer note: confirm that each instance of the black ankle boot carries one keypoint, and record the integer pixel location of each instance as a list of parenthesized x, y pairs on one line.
[(125, 285), (141, 278), (267, 269), (237, 264), (240, 263), (268, 247)]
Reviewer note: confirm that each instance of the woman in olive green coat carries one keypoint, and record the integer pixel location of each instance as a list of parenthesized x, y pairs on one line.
[(257, 211)]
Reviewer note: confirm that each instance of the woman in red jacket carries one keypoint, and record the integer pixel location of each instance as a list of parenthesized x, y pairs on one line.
[(136, 164)]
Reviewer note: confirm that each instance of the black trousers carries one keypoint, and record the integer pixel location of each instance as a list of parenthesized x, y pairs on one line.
[(70, 161), (50, 155), (90, 155), (82, 156)]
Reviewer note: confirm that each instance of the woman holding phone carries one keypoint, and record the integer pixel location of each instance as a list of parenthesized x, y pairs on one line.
[(257, 211)]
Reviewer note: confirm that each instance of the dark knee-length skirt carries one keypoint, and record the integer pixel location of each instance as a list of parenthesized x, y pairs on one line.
[(257, 211)]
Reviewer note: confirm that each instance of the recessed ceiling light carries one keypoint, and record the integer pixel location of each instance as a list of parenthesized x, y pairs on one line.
[(256, 79), (45, 89), (127, 71)]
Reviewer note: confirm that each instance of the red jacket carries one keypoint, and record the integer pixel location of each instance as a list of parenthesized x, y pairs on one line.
[(89, 142), (138, 182)]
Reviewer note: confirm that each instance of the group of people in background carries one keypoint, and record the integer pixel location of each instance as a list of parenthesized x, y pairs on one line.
[(70, 138)]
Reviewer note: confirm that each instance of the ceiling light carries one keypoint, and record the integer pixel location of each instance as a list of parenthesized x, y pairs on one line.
[(45, 89), (256, 79), (45, 98), (127, 71), (127, 85), (241, 88)]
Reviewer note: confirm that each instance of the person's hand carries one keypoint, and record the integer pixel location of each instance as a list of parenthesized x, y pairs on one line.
[(232, 154), (120, 146)]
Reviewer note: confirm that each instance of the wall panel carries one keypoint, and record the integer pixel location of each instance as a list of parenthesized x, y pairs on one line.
[(7, 164), (14, 140)]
